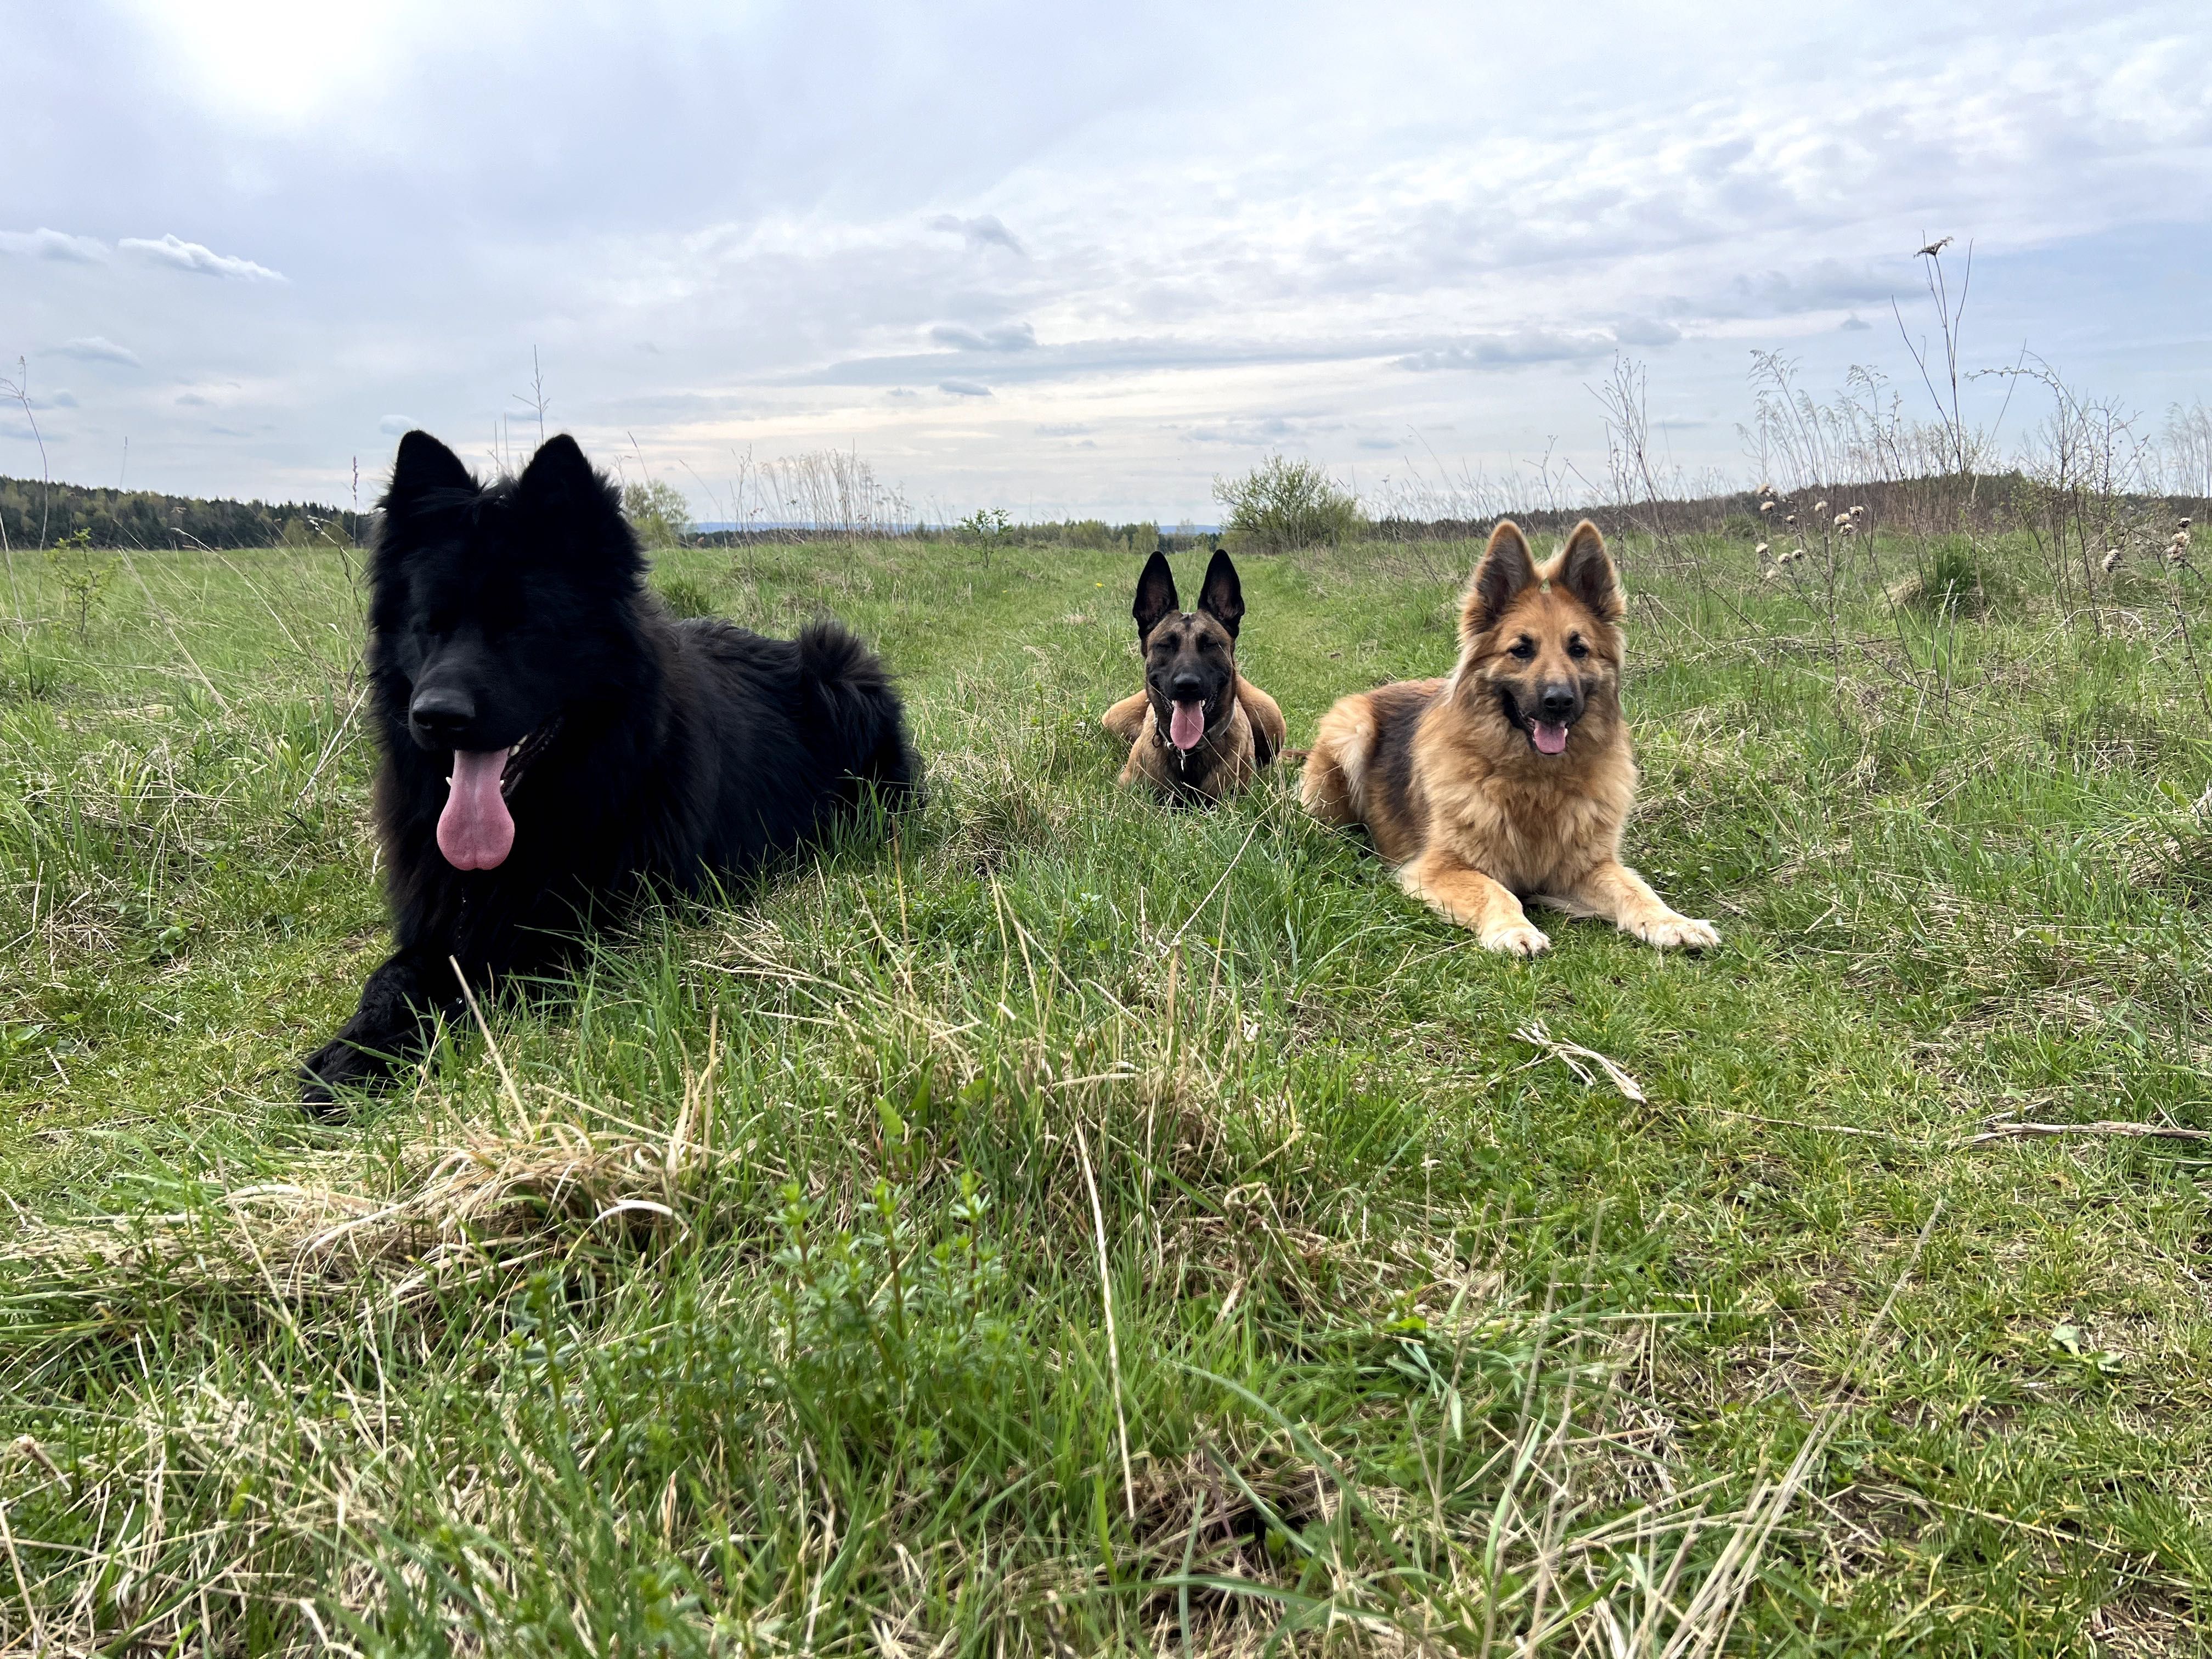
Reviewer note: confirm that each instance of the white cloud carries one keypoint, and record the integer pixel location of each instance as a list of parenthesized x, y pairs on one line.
[(395, 426), (175, 251), (44, 243), (97, 349)]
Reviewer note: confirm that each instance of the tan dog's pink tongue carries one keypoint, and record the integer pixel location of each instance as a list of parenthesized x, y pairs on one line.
[(1551, 738), (475, 831), (1186, 725)]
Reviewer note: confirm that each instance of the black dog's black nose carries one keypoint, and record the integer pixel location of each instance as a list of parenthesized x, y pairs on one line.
[(441, 714), (1557, 701), (1188, 688)]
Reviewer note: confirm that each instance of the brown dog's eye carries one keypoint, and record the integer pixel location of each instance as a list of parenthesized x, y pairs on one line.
[(1524, 649), (1577, 648)]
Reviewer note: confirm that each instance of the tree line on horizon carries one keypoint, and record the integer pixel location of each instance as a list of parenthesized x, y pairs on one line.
[(34, 513)]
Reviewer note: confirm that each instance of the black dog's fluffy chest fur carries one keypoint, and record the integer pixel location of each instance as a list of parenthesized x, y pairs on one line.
[(659, 753)]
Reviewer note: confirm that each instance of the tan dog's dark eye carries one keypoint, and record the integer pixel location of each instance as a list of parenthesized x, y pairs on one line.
[(1575, 648), (1524, 649)]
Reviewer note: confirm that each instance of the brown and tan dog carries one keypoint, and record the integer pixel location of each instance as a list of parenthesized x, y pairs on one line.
[(1198, 730), (1511, 778)]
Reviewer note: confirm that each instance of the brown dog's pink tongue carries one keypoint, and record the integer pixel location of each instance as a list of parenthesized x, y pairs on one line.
[(475, 831), (1186, 725), (1551, 738)]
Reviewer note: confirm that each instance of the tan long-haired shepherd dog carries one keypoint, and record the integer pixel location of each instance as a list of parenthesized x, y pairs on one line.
[(1511, 778)]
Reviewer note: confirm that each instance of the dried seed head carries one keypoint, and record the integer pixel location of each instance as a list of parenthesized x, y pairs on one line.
[(1842, 521), (1819, 506), (1858, 511), (1760, 550), (1767, 507), (2111, 559), (1792, 518)]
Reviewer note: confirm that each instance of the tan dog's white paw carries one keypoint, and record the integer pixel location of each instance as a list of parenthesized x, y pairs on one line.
[(1674, 932), (1518, 941)]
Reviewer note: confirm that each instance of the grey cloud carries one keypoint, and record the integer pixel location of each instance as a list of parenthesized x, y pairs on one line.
[(1646, 331), (1061, 429), (97, 349), (193, 400), (1513, 350), (901, 392), (1006, 337), (964, 388), (985, 230), (1827, 286), (1391, 444), (175, 251), (44, 243), (1273, 430), (61, 398), (1853, 323)]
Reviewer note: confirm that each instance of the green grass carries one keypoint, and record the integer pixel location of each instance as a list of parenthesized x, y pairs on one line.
[(749, 1298)]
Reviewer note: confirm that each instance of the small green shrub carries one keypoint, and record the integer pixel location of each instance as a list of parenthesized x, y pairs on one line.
[(84, 575), (1281, 505), (656, 509)]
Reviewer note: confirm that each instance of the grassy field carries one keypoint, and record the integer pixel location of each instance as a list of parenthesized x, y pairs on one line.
[(1077, 1227)]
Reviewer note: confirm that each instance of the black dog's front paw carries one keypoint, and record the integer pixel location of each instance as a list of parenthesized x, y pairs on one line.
[(338, 1064)]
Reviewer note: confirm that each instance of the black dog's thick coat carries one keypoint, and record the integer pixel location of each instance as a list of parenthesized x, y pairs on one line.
[(650, 751)]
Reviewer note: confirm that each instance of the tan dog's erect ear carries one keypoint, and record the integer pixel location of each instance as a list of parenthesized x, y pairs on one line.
[(1156, 596), (1506, 568), (1586, 571)]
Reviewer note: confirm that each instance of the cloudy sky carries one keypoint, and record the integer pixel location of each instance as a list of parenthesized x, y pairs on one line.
[(1061, 260)]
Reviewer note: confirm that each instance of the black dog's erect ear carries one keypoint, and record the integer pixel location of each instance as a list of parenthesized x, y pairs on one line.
[(1586, 571), (571, 506), (1156, 596), (1506, 568), (424, 467), (559, 475), (1223, 596)]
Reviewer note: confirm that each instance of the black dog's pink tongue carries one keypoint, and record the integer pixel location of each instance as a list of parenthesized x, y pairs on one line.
[(1186, 725), (475, 831), (1551, 738)]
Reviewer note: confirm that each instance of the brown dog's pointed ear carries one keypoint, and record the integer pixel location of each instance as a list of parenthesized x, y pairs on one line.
[(1506, 568), (1223, 596), (1156, 596), (1586, 571)]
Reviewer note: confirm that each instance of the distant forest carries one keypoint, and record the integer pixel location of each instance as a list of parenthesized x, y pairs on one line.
[(32, 513)]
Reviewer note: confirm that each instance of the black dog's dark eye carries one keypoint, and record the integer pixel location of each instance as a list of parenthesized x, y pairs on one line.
[(1524, 649), (1577, 648)]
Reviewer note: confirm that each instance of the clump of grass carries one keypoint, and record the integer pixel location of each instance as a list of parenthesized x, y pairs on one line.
[(686, 595), (1956, 581)]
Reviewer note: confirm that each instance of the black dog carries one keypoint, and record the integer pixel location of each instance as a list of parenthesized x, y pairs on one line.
[(552, 740)]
